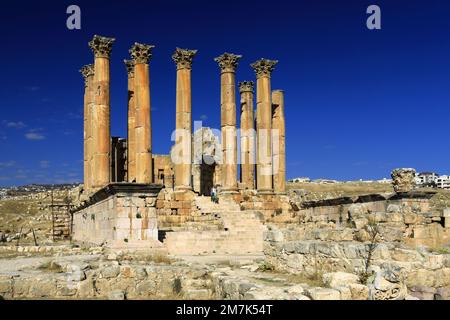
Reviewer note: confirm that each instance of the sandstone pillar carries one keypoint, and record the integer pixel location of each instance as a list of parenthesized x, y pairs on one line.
[(182, 151), (279, 142), (228, 63), (141, 54), (131, 148), (263, 69), (247, 135), (88, 75), (101, 47)]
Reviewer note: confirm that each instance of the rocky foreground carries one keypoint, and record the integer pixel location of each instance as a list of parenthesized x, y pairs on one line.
[(375, 247)]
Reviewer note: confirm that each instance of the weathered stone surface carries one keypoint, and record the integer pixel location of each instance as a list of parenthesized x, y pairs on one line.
[(323, 294), (338, 279), (345, 292), (359, 291), (116, 295), (403, 179), (110, 272), (388, 284)]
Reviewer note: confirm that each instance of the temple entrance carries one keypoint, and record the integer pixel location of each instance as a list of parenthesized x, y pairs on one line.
[(207, 171)]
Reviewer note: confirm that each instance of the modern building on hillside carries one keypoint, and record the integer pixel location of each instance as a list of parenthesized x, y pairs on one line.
[(426, 179), (443, 182)]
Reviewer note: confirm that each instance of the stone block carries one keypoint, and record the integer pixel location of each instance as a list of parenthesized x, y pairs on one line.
[(116, 295), (345, 293), (359, 291), (338, 279), (323, 294)]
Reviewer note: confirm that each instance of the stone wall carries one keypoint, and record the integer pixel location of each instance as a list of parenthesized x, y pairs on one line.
[(239, 233), (117, 214)]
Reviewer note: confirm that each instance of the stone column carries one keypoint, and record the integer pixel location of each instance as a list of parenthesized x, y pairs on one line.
[(263, 69), (141, 54), (131, 148), (247, 135), (101, 47), (88, 75), (182, 156), (279, 142), (228, 63)]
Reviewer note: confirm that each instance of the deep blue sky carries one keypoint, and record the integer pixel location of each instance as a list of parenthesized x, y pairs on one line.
[(358, 102)]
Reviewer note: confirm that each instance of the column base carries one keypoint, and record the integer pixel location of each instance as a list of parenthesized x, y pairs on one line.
[(182, 188), (266, 192), (228, 191)]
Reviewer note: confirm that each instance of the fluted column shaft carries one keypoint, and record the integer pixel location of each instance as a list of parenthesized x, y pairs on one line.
[(279, 142), (88, 74), (183, 122), (247, 135), (263, 69), (101, 114), (141, 54), (131, 143), (228, 63)]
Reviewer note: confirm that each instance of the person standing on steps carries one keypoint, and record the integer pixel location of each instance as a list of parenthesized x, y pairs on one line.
[(214, 195)]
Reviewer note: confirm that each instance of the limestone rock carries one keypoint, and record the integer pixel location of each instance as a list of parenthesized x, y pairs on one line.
[(197, 294), (338, 279), (359, 291), (323, 294), (110, 272), (345, 292), (116, 295)]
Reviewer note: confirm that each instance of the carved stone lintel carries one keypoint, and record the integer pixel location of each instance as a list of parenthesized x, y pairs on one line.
[(141, 53), (129, 64), (183, 58), (87, 71), (246, 86), (387, 284), (228, 62), (264, 67), (101, 46), (403, 179)]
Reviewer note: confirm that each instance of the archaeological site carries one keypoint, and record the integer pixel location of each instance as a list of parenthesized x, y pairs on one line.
[(215, 219), (206, 159)]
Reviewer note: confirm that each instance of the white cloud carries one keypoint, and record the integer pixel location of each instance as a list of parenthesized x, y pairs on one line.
[(7, 164), (34, 136), (15, 125)]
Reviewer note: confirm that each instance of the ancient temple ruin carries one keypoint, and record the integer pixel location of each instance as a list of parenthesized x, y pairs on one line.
[(129, 192)]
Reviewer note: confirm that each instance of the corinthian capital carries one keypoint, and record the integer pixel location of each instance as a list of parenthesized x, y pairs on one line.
[(129, 64), (87, 71), (246, 86), (264, 67), (141, 53), (183, 58), (228, 62), (101, 46)]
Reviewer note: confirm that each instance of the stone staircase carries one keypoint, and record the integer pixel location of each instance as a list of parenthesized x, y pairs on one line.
[(236, 233), (61, 224), (206, 206)]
